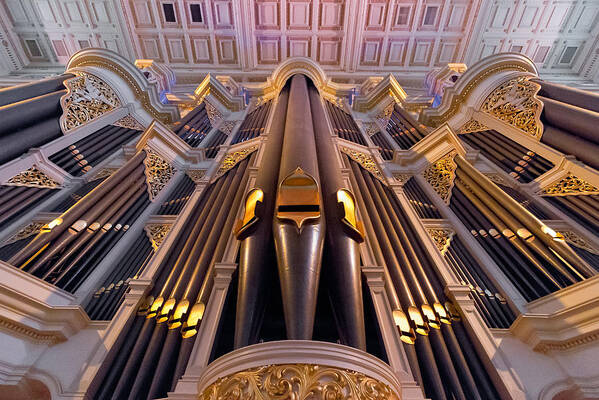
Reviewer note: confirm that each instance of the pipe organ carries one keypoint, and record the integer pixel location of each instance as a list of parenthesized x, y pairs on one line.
[(306, 239)]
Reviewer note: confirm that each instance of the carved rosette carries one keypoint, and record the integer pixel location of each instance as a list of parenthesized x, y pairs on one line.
[(232, 159), (441, 174), (196, 175), (366, 161), (570, 185), (297, 381), (32, 229), (515, 103), (33, 177), (575, 240), (158, 173), (441, 237), (157, 233), (472, 126), (128, 121), (87, 98)]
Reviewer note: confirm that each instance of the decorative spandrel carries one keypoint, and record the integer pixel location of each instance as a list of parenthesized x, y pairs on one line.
[(473, 126), (385, 115), (128, 121), (232, 159), (570, 185), (88, 97), (158, 173), (31, 229), (575, 240), (441, 237), (196, 175), (33, 177), (298, 381), (214, 115), (441, 174), (402, 179), (515, 103), (366, 161), (157, 233)]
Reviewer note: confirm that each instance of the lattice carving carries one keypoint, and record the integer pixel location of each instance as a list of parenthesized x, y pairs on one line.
[(88, 97), (157, 233), (232, 159), (33, 177), (442, 238), (573, 239), (128, 121), (401, 178), (371, 128), (196, 175), (214, 115), (298, 381), (473, 126), (158, 173), (441, 174), (104, 172), (570, 185), (384, 116), (366, 161), (29, 230), (515, 103)]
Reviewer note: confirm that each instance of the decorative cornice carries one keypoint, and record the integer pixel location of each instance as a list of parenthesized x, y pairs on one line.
[(158, 173), (441, 174), (213, 87), (387, 88), (33, 335), (33, 177), (570, 185), (365, 161), (567, 344)]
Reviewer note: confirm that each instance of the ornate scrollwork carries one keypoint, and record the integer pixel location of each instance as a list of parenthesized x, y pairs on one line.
[(298, 381), (515, 103), (158, 173), (441, 237), (498, 179), (568, 186), (366, 161), (88, 97), (441, 174), (371, 128), (232, 159), (32, 229), (385, 115), (575, 240), (227, 127), (214, 115), (33, 177), (156, 233), (401, 178), (104, 173), (196, 175), (473, 126), (128, 121)]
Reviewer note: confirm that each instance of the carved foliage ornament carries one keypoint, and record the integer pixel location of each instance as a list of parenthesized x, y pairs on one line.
[(156, 233), (232, 159), (514, 102), (441, 237), (104, 173), (384, 116), (472, 126), (214, 115), (568, 186), (158, 173), (33, 177), (441, 174), (128, 121), (32, 229), (402, 179), (88, 97), (366, 161), (575, 240), (297, 381), (196, 175)]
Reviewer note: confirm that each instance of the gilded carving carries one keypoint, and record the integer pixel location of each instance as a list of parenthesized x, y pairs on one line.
[(232, 159), (214, 115), (371, 128), (473, 126), (385, 115), (575, 240), (366, 161), (441, 237), (29, 230), (87, 98), (157, 233), (498, 179), (128, 121), (196, 175), (33, 177), (401, 178), (298, 381), (568, 186), (104, 172), (441, 174), (514, 102), (158, 173)]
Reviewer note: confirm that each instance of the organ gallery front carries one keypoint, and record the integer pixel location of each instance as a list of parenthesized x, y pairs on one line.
[(298, 238)]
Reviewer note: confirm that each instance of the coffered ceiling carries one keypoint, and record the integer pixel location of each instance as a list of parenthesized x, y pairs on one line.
[(351, 39)]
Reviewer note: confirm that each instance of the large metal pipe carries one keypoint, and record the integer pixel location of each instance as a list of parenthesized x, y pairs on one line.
[(25, 91), (569, 95), (18, 142), (27, 112)]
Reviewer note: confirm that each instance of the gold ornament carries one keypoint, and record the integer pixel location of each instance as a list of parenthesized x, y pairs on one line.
[(384, 116), (32, 229), (196, 175), (441, 174), (298, 382), (157, 233), (515, 103), (370, 128), (128, 121), (473, 126), (87, 98), (214, 115), (573, 239), (401, 178), (570, 185), (441, 237), (33, 177), (158, 173), (366, 161), (232, 159)]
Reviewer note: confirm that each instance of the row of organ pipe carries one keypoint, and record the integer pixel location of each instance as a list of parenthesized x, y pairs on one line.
[(344, 125), (213, 144), (254, 123), (420, 201), (403, 129), (194, 127), (385, 147), (17, 200), (584, 209), (177, 199)]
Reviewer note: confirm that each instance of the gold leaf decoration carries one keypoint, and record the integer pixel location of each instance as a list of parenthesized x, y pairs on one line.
[(128, 121), (298, 381), (33, 177), (570, 185), (401, 178), (196, 175), (573, 239), (441, 237), (366, 161), (440, 175), (29, 230), (473, 126), (158, 173), (232, 159), (370, 128), (87, 98), (156, 233), (384, 116), (213, 114), (515, 103)]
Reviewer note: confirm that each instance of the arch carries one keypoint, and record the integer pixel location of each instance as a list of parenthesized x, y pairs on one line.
[(298, 65)]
